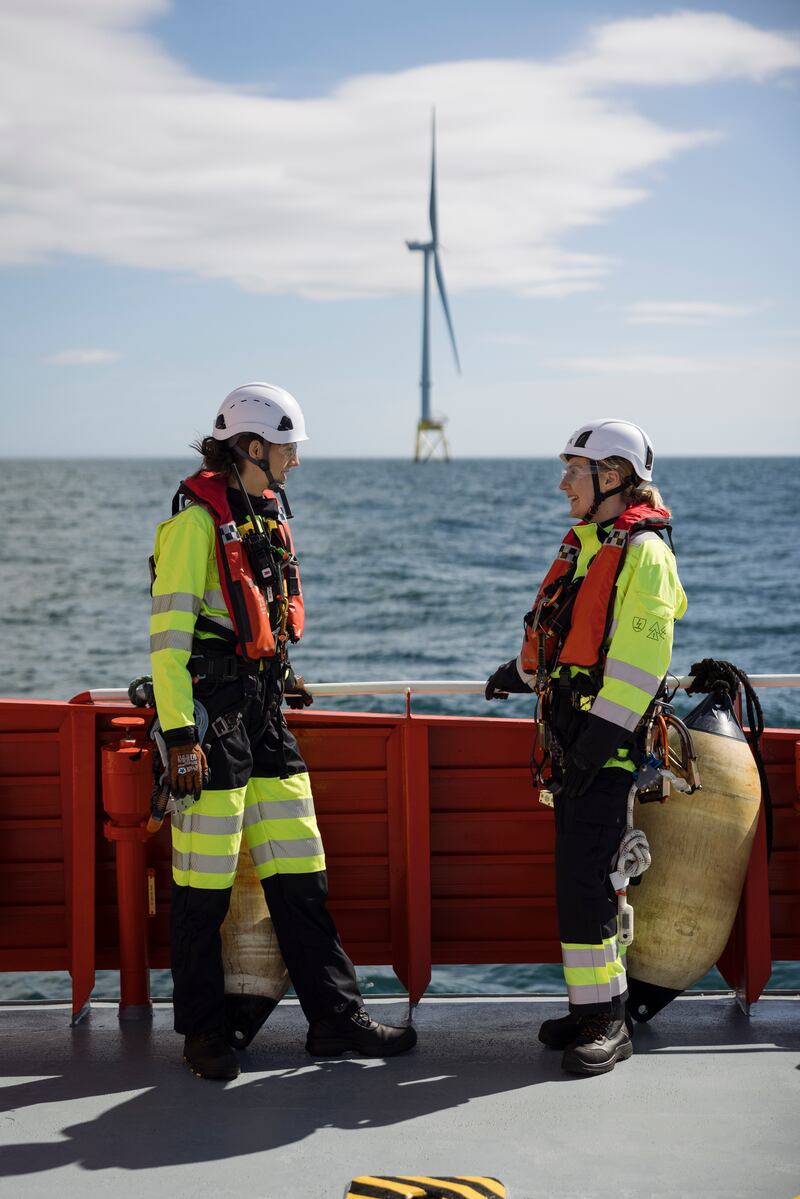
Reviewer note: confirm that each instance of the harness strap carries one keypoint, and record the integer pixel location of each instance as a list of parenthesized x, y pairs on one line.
[(225, 667), (206, 625)]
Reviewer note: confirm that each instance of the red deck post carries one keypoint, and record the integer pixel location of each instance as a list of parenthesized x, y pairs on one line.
[(410, 857), (134, 966), (126, 799), (78, 746), (746, 962)]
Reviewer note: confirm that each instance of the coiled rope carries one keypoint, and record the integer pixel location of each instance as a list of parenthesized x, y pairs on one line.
[(633, 857)]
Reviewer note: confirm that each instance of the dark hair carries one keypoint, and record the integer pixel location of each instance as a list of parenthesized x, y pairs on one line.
[(218, 455)]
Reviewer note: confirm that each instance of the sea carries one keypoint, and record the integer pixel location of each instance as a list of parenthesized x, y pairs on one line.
[(410, 571)]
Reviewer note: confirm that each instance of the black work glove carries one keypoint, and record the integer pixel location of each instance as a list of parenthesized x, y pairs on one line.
[(506, 681), (598, 742), (295, 695)]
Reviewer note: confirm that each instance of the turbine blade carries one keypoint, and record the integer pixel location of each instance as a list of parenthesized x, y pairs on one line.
[(437, 267), (432, 204)]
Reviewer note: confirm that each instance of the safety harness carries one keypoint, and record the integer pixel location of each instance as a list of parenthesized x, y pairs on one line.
[(250, 588), (570, 618)]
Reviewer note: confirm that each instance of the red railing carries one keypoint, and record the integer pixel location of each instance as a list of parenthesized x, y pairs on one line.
[(437, 850)]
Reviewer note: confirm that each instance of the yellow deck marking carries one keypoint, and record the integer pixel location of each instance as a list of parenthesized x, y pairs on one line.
[(448, 1184), (418, 1186), (491, 1184), (404, 1191)]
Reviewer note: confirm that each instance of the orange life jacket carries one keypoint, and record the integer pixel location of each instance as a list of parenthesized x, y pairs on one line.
[(569, 622), (246, 602)]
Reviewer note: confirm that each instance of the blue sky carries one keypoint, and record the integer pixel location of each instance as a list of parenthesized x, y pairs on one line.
[(199, 194)]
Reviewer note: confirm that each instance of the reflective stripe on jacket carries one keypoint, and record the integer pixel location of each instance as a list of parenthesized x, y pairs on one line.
[(186, 586), (648, 599)]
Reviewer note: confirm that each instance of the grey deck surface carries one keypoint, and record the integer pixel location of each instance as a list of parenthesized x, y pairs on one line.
[(708, 1106)]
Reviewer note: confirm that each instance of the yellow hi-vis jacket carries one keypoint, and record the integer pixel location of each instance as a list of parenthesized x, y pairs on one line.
[(648, 600), (186, 586)]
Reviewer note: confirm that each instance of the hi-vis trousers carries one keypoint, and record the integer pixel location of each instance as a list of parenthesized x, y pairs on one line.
[(249, 748), (588, 832)]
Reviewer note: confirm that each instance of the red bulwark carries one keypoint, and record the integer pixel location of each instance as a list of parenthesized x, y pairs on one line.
[(437, 849), (48, 817)]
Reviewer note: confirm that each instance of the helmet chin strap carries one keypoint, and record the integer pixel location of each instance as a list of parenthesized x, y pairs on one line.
[(263, 464), (601, 496)]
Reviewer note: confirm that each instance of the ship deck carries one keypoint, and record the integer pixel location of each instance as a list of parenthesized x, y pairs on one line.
[(706, 1107)]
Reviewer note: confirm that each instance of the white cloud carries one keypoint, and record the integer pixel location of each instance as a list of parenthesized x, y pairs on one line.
[(685, 312), (111, 148), (685, 48), (631, 364), (82, 357)]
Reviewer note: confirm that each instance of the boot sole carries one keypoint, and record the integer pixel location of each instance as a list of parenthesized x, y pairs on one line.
[(557, 1043), (335, 1047), (211, 1077), (585, 1068)]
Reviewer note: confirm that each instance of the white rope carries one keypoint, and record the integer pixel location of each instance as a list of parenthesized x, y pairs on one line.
[(634, 854), (633, 858)]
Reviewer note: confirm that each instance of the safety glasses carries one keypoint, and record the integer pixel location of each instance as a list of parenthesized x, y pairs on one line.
[(573, 472)]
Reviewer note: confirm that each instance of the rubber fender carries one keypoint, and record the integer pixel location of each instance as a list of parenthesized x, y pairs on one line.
[(245, 1015), (256, 978), (646, 1000), (700, 844)]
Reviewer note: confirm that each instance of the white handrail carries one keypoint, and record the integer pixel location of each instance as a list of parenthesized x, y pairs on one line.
[(431, 687)]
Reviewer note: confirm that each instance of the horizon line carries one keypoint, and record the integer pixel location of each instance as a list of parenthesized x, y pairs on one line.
[(384, 457)]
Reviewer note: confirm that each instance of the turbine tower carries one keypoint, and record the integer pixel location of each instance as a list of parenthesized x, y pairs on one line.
[(430, 432)]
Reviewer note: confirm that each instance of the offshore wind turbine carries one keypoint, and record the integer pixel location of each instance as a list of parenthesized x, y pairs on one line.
[(430, 432)]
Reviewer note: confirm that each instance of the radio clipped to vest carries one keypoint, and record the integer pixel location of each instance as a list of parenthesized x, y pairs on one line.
[(262, 558)]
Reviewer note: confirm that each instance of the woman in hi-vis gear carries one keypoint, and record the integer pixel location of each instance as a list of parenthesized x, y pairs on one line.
[(596, 650), (226, 602)]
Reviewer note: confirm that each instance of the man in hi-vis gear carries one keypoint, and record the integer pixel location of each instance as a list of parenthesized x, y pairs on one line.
[(227, 601), (596, 650)]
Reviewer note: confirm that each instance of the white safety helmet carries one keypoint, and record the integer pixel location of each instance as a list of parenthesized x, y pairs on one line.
[(263, 409), (600, 439)]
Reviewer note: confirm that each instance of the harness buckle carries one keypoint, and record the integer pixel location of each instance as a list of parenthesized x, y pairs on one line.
[(226, 723), (230, 670)]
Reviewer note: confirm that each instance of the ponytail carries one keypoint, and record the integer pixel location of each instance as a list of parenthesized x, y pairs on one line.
[(219, 456), (638, 492)]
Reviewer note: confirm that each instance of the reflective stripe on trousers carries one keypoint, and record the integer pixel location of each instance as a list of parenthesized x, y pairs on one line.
[(594, 974), (280, 826)]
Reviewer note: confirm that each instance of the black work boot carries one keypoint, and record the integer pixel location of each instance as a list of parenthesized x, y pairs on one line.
[(602, 1041), (210, 1056), (356, 1030), (558, 1034)]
